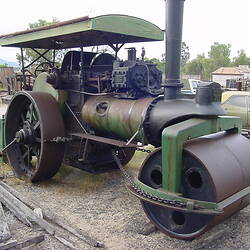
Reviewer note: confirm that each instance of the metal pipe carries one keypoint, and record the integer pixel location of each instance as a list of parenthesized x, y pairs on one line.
[(174, 21), (23, 70)]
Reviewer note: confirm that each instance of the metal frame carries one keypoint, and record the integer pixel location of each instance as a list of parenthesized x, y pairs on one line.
[(40, 55)]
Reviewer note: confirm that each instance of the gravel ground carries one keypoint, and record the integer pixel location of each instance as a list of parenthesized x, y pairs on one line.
[(108, 213)]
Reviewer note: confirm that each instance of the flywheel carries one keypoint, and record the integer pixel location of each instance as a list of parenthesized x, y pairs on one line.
[(33, 119)]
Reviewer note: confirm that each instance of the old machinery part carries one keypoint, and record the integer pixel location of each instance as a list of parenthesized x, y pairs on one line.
[(137, 77), (95, 157), (83, 150), (163, 113), (43, 67), (204, 178), (71, 61), (174, 23), (102, 59), (147, 117), (121, 118), (34, 119), (41, 85)]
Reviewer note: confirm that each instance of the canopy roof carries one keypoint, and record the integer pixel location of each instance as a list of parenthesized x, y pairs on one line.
[(85, 31)]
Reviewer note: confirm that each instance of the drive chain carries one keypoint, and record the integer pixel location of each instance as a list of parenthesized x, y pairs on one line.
[(143, 150), (132, 185)]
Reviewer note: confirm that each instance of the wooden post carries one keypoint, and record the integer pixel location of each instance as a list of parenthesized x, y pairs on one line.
[(4, 228)]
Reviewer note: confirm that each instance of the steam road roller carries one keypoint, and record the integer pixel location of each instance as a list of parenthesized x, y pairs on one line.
[(95, 110)]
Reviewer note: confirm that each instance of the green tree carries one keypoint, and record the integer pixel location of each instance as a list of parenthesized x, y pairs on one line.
[(3, 65), (160, 63), (30, 55), (194, 67), (199, 66), (241, 58), (185, 54), (220, 54)]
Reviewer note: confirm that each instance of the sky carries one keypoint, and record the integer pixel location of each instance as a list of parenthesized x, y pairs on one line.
[(205, 21)]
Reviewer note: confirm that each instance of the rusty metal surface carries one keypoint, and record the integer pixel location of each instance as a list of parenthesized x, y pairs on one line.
[(49, 125), (121, 117), (117, 143), (226, 160), (214, 168)]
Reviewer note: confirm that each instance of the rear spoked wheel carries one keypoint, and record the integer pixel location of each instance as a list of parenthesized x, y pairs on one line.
[(33, 119)]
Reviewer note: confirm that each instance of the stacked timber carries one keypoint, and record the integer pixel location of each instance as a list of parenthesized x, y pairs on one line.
[(30, 213)]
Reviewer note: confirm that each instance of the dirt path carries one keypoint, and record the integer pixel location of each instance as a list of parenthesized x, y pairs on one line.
[(103, 207)]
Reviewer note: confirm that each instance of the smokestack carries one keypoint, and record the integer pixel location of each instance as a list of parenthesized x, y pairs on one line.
[(174, 21)]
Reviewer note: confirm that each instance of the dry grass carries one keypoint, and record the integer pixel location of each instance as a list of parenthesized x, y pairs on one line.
[(4, 169), (69, 178), (7, 172), (75, 178)]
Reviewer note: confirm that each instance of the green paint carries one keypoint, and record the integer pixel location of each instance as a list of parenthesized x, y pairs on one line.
[(41, 85), (127, 25), (173, 138), (131, 28), (206, 207)]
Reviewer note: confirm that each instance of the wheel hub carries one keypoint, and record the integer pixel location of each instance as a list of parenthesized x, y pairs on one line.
[(25, 135)]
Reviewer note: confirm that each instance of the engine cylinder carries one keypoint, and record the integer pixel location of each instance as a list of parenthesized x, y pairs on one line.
[(120, 118)]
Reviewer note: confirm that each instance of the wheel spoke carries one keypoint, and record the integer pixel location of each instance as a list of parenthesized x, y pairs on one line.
[(36, 125), (31, 112), (27, 152)]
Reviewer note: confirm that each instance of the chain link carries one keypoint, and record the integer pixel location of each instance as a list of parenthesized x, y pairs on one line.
[(129, 179), (143, 150)]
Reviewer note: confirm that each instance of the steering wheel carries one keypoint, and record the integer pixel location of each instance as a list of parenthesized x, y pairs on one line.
[(42, 67)]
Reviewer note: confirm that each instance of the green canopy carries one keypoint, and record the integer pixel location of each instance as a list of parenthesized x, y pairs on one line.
[(85, 31)]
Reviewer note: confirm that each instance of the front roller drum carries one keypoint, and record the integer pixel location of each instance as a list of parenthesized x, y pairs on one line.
[(214, 168), (33, 119)]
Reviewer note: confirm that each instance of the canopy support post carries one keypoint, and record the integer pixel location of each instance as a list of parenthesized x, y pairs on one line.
[(23, 70)]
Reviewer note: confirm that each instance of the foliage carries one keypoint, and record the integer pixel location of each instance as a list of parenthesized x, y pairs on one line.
[(160, 63), (30, 55), (3, 65), (218, 56), (241, 58), (185, 54)]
